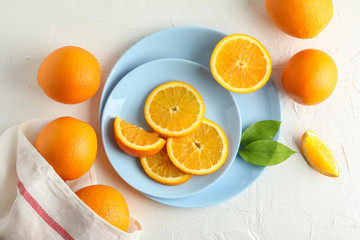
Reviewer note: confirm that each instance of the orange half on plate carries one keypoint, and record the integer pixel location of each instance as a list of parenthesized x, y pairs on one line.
[(135, 141), (240, 63), (202, 152), (160, 168), (174, 109)]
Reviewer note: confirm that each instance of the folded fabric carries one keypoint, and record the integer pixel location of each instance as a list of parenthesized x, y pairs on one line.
[(35, 203)]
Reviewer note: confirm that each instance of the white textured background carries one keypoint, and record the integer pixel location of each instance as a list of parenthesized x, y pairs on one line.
[(289, 201)]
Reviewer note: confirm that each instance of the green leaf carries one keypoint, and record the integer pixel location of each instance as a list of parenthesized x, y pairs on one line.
[(259, 131), (265, 153)]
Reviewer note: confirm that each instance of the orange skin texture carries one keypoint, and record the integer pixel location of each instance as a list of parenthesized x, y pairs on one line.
[(300, 18), (108, 203), (310, 77), (69, 75), (69, 146)]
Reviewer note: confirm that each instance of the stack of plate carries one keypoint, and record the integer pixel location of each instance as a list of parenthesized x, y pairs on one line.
[(183, 54)]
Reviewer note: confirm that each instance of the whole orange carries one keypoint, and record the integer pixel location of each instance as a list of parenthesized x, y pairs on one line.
[(310, 77), (300, 18), (69, 75), (108, 203), (69, 146)]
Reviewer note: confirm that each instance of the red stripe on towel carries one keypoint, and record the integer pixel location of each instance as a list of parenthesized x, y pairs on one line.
[(42, 213)]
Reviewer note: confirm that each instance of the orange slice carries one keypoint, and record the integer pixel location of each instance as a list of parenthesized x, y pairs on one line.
[(318, 154), (174, 109), (135, 141), (240, 63), (201, 152), (160, 168)]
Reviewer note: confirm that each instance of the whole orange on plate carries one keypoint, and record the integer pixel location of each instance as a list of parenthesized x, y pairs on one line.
[(240, 63), (108, 203), (300, 18), (69, 146), (135, 141), (310, 77), (69, 75)]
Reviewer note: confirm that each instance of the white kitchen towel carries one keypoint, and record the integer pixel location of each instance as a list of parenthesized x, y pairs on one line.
[(35, 203)]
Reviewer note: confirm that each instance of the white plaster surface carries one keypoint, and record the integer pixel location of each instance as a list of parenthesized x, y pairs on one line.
[(290, 200)]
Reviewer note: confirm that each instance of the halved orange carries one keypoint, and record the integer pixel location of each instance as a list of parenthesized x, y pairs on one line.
[(201, 152), (160, 168), (135, 141), (174, 109), (318, 154), (240, 63)]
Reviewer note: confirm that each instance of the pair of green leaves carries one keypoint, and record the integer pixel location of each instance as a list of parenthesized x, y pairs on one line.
[(257, 146)]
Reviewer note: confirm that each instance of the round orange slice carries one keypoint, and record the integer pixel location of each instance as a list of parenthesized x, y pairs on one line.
[(202, 152), (240, 63), (318, 154), (174, 109), (160, 168), (135, 141)]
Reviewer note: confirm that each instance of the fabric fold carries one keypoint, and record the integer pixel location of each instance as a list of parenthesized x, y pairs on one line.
[(43, 206)]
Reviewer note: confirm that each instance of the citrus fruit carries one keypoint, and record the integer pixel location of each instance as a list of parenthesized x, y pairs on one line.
[(310, 77), (135, 141), (318, 154), (69, 75), (174, 109), (69, 146), (108, 203), (201, 152), (160, 168), (300, 18), (240, 63)]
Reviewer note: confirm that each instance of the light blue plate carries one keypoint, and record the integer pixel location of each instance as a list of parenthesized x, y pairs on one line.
[(127, 101), (196, 44)]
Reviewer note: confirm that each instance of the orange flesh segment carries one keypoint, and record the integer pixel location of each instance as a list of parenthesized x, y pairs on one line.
[(174, 108), (187, 152), (318, 155), (201, 152), (135, 141), (137, 135), (160, 168), (164, 167), (248, 64)]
